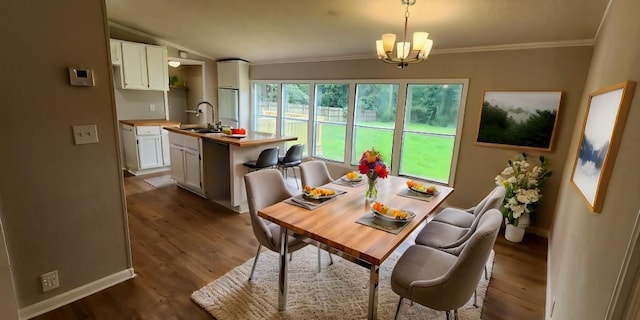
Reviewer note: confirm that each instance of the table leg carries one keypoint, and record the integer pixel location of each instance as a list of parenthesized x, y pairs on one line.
[(282, 284), (374, 277)]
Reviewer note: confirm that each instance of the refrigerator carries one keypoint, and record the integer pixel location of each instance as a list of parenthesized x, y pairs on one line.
[(228, 107)]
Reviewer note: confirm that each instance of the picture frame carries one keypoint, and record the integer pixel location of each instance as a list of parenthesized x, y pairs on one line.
[(601, 134), (519, 119)]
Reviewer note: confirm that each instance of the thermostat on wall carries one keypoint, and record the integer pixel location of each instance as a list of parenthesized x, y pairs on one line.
[(81, 77)]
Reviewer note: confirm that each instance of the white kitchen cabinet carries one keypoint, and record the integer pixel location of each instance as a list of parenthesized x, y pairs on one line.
[(116, 51), (150, 152), (157, 69), (233, 74), (144, 67), (143, 149), (134, 66), (186, 161)]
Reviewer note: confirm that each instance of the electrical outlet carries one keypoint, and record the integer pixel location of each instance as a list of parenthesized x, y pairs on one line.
[(152, 107), (50, 280)]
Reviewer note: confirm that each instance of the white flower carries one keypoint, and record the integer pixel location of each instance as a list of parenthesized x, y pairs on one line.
[(507, 171), (517, 211)]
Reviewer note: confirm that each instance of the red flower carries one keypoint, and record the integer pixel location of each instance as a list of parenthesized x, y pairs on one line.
[(381, 171), (363, 168)]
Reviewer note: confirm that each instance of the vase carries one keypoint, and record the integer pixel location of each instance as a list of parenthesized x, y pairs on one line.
[(513, 233), (524, 220), (372, 189)]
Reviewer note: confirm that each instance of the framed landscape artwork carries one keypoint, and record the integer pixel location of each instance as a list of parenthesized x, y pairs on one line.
[(523, 119), (601, 135)]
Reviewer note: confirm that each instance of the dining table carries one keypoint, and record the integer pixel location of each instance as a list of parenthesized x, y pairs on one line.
[(337, 226)]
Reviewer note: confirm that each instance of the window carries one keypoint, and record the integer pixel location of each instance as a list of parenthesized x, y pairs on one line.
[(415, 124), (265, 97), (374, 120), (429, 133), (330, 125), (295, 111)]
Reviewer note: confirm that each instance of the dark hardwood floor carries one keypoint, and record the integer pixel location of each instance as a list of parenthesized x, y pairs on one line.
[(180, 242)]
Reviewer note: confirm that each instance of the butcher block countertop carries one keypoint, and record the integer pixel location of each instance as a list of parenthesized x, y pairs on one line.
[(252, 138), (152, 122)]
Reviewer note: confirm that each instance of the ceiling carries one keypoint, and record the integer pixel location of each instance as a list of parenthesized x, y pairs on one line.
[(313, 30)]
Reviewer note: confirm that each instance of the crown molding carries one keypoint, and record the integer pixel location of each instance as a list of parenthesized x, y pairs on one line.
[(159, 40)]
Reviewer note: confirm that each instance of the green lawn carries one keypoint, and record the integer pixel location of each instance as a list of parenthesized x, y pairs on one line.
[(425, 156)]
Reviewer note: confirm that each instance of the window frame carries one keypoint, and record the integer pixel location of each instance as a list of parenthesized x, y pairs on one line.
[(398, 130)]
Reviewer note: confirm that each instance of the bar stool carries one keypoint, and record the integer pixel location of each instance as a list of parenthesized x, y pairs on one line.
[(292, 159), (268, 158)]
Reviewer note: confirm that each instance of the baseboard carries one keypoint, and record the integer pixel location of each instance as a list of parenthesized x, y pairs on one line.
[(62, 299), (538, 231)]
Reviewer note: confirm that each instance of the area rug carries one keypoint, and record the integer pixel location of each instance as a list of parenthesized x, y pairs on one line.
[(160, 181), (338, 291)]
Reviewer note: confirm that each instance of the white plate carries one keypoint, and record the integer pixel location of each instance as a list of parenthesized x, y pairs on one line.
[(388, 218), (308, 196), (424, 192), (357, 179)]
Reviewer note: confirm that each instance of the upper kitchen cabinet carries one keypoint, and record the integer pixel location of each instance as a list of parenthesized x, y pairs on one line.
[(143, 67), (116, 52), (233, 74)]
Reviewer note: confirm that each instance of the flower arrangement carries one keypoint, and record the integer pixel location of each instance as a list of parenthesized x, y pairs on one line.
[(523, 183), (372, 165)]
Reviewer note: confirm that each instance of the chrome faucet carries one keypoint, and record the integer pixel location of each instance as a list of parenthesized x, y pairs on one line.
[(213, 115)]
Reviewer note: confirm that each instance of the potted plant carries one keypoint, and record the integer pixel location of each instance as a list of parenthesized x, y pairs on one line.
[(523, 183)]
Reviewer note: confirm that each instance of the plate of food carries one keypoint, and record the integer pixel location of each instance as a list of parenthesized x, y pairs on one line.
[(391, 214), (318, 193), (352, 176), (421, 188)]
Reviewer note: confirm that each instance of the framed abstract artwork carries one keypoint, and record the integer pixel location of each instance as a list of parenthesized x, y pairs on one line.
[(521, 119), (601, 134)]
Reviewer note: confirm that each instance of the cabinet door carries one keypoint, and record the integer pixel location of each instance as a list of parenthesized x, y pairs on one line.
[(130, 147), (157, 68), (116, 52), (150, 152), (166, 155), (177, 163), (134, 66), (192, 169), (228, 75)]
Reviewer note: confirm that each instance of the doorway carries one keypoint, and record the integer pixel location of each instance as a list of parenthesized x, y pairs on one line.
[(186, 88)]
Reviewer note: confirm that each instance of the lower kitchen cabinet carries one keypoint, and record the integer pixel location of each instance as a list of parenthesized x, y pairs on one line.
[(186, 161), (145, 148)]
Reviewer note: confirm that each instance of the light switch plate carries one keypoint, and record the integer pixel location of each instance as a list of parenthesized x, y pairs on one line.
[(85, 134)]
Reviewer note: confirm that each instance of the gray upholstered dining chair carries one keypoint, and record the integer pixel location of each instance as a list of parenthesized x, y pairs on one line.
[(465, 217), (291, 159), (264, 188), (443, 281), (444, 234), (314, 173), (452, 238)]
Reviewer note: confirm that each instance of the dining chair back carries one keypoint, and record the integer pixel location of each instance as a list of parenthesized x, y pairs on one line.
[(291, 159), (314, 173), (440, 280), (268, 158), (265, 188), (467, 218)]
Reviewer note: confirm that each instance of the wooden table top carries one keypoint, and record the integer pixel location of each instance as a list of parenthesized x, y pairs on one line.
[(251, 139), (335, 223)]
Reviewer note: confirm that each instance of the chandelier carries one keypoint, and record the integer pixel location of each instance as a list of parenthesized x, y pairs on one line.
[(405, 53)]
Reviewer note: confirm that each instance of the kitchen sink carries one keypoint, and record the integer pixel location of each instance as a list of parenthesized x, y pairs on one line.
[(202, 130)]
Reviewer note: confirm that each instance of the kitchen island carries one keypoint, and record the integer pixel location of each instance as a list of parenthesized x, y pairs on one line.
[(210, 164)]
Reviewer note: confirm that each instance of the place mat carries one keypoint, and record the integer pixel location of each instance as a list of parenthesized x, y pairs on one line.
[(389, 226), (349, 183), (300, 201), (415, 195)]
